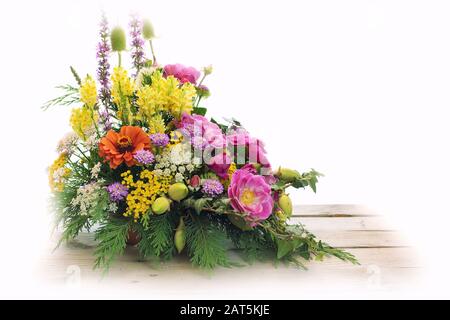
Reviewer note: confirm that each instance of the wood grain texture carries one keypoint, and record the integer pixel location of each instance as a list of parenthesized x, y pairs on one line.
[(387, 263)]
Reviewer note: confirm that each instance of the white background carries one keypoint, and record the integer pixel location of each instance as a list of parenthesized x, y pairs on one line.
[(358, 90)]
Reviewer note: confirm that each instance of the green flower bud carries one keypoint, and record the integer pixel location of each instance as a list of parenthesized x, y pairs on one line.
[(147, 30), (208, 70), (239, 222), (288, 175), (180, 236), (160, 205), (285, 204), (118, 39), (178, 191)]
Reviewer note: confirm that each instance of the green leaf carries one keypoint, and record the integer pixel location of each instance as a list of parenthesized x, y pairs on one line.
[(283, 248), (200, 111), (200, 204), (287, 246)]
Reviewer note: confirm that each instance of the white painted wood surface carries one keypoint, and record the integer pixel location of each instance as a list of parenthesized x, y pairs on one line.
[(388, 264)]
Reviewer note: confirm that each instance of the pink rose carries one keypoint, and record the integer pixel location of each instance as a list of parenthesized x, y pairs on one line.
[(249, 193), (182, 73), (220, 165)]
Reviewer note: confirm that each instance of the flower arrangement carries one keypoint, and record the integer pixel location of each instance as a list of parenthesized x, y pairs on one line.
[(143, 165)]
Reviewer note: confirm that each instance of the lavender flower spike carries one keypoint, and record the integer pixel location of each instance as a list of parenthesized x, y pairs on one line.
[(137, 43), (103, 51), (103, 73)]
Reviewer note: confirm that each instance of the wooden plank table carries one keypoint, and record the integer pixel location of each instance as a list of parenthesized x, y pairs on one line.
[(388, 264)]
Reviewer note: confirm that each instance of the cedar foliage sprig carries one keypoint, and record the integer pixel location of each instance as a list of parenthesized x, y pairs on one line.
[(205, 242), (112, 240)]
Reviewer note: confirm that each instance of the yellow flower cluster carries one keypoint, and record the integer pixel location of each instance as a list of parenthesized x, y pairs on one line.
[(166, 94), (88, 92), (121, 90), (143, 192), (57, 173), (156, 124), (82, 120), (122, 85)]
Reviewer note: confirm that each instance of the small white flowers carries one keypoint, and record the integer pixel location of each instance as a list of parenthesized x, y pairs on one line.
[(113, 207), (59, 176), (68, 143), (181, 154), (96, 170), (179, 177), (175, 162), (92, 141), (88, 197)]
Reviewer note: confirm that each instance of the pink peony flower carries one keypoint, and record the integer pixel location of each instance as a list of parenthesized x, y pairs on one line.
[(254, 148), (249, 193), (220, 165), (182, 73), (203, 133)]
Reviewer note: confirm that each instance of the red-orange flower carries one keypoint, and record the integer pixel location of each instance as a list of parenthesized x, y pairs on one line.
[(119, 147)]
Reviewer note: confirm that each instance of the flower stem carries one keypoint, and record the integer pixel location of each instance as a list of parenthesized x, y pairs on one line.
[(153, 52)]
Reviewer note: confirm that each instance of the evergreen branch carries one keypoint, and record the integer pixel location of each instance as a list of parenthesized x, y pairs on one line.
[(112, 240), (72, 226), (205, 243), (157, 240)]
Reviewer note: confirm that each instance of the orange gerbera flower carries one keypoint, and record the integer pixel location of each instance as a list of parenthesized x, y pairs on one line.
[(119, 147)]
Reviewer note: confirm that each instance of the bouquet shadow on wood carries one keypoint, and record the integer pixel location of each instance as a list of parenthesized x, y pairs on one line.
[(146, 167)]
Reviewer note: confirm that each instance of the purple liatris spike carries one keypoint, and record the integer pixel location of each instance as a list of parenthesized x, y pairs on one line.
[(144, 157), (105, 119), (117, 191), (137, 43), (103, 73), (212, 187), (159, 139)]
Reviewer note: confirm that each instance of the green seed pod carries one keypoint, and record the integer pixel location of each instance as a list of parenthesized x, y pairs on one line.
[(180, 236), (161, 205), (118, 39), (285, 204), (208, 70), (178, 191), (288, 175), (147, 30)]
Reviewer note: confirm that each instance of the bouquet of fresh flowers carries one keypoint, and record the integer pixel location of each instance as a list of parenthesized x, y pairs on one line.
[(143, 166)]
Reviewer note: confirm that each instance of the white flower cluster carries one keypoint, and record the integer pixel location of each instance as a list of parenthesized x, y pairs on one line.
[(68, 143), (176, 162), (88, 197), (113, 207), (96, 170), (92, 140), (60, 175)]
